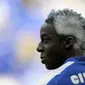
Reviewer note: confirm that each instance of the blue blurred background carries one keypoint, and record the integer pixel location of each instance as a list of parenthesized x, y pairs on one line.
[(20, 22)]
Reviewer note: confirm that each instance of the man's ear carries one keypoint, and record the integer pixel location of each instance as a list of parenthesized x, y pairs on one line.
[(68, 42)]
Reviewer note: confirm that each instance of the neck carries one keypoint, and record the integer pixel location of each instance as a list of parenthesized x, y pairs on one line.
[(77, 53)]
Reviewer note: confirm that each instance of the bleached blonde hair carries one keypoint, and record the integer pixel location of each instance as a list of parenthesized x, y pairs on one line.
[(68, 22)]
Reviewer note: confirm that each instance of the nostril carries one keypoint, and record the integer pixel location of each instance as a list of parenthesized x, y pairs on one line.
[(37, 49), (40, 47)]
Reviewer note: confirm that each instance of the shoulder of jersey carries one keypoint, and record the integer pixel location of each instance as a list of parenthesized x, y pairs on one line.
[(54, 74)]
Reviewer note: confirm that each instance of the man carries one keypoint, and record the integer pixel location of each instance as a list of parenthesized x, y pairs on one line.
[(62, 46)]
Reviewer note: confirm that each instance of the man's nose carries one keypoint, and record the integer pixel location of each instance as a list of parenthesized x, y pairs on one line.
[(40, 47)]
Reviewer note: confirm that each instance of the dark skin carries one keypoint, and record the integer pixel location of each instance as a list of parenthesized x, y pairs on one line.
[(53, 48)]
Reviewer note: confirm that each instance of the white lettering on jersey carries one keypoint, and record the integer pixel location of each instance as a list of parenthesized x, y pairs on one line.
[(74, 79), (79, 78)]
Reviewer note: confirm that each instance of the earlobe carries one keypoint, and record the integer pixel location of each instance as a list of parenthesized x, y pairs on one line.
[(68, 42)]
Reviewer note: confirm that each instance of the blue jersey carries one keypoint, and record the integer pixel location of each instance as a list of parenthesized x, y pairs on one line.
[(72, 72)]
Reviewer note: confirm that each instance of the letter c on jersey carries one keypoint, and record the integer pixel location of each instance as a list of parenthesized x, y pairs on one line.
[(74, 79)]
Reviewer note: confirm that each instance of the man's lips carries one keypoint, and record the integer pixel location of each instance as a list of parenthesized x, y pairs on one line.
[(42, 59)]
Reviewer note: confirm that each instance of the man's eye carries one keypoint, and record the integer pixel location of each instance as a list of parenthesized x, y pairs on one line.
[(46, 41)]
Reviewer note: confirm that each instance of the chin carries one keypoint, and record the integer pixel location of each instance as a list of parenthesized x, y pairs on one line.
[(51, 67)]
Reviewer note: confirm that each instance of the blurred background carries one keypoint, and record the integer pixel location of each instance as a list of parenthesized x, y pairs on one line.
[(20, 22)]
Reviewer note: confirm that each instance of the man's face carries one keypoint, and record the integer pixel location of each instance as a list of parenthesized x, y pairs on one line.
[(52, 52)]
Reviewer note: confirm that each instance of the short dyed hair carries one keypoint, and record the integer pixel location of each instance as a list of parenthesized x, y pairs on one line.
[(68, 22)]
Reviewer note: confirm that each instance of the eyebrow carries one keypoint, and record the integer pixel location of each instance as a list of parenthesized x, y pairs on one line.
[(45, 34)]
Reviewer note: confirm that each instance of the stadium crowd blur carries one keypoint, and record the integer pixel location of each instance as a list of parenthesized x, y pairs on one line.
[(20, 21)]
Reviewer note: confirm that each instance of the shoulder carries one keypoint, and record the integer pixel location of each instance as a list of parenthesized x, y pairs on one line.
[(55, 76), (73, 74)]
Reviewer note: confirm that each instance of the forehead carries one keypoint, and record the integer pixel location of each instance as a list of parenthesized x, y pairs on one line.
[(47, 29)]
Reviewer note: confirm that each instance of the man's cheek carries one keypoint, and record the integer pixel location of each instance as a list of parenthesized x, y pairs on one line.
[(50, 49)]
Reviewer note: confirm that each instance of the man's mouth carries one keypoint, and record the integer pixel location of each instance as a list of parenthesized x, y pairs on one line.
[(43, 60)]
